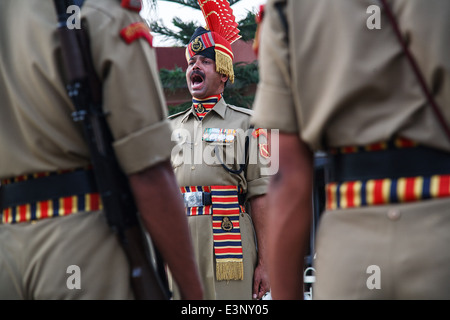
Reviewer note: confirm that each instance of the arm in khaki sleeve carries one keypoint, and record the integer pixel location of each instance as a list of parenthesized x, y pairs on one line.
[(257, 188), (261, 283), (257, 164), (135, 105), (289, 218), (162, 210), (274, 103)]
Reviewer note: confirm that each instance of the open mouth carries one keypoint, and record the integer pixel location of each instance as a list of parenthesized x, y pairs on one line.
[(197, 80)]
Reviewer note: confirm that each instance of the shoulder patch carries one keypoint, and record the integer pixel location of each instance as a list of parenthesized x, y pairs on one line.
[(260, 131), (135, 5), (258, 19), (135, 31), (240, 109), (264, 150)]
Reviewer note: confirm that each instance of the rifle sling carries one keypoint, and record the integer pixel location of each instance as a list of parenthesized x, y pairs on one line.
[(415, 68)]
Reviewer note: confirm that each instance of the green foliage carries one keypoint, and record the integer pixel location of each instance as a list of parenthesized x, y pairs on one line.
[(173, 79), (184, 30), (247, 26), (181, 37), (245, 76)]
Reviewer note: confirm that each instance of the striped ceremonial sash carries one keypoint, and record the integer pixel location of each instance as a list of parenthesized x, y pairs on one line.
[(353, 194), (227, 233), (225, 211), (49, 208)]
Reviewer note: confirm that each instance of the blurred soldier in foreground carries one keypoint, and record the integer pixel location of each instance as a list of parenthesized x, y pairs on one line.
[(43, 240), (368, 82), (222, 188)]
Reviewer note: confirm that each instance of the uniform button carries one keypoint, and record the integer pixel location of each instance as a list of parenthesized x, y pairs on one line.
[(193, 168), (393, 214), (196, 144)]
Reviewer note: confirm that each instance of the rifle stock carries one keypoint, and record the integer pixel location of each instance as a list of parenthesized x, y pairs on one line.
[(84, 89), (141, 275)]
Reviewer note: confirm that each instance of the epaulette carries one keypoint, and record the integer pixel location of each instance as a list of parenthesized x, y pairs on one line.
[(173, 116), (135, 30), (134, 5), (240, 109)]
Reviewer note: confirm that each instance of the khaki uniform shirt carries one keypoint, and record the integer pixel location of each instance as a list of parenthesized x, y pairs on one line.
[(339, 83), (336, 82), (39, 135), (37, 131), (196, 164)]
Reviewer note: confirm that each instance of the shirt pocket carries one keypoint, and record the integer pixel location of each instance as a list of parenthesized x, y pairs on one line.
[(230, 155), (216, 153), (183, 150), (219, 146)]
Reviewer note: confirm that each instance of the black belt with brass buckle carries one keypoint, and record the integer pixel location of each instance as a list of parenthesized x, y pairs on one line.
[(50, 187), (202, 198), (391, 163)]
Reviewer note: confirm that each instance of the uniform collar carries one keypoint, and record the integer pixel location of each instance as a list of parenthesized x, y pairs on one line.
[(203, 106), (219, 108)]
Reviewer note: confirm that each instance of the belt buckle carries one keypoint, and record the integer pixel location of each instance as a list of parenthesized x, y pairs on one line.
[(193, 199)]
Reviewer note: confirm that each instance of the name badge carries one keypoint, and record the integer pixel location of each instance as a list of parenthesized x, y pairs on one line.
[(218, 135)]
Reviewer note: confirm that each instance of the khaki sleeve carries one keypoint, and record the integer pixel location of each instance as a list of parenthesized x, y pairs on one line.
[(274, 104), (259, 159), (132, 95)]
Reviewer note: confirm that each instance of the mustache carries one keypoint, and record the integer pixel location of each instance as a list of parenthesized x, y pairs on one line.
[(198, 73)]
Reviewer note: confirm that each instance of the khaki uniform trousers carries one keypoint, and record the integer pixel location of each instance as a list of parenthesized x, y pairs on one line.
[(37, 259), (202, 238), (385, 252)]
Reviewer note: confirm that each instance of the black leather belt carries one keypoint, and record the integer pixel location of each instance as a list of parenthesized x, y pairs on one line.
[(49, 187), (391, 163), (207, 198), (202, 198)]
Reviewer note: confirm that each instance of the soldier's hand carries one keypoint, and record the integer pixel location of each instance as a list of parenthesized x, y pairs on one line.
[(261, 283)]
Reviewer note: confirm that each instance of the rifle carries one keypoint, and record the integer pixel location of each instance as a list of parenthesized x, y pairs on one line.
[(84, 89)]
